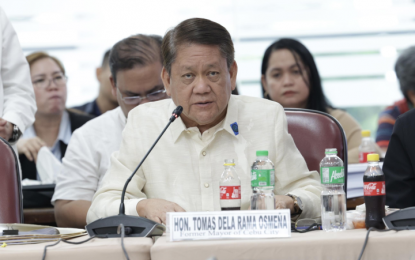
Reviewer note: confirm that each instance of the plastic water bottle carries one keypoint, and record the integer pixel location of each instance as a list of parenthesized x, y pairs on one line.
[(262, 182), (230, 187), (333, 198), (366, 147)]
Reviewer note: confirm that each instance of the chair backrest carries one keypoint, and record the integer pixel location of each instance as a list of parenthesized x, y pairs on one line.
[(313, 132), (11, 206)]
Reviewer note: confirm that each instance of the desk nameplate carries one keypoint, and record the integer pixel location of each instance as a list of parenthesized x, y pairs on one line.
[(228, 224)]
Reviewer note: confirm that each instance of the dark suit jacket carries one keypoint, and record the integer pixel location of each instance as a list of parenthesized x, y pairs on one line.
[(91, 108), (31, 198), (399, 165)]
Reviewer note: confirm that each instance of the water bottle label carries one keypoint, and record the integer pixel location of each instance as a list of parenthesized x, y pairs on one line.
[(262, 178), (363, 157), (332, 175), (230, 192), (376, 188)]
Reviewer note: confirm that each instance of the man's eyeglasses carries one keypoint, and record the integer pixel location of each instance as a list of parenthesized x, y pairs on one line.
[(307, 224), (153, 96), (59, 80)]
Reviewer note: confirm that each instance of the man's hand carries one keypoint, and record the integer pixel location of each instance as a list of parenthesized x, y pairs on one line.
[(6, 129), (284, 202), (156, 209), (30, 147)]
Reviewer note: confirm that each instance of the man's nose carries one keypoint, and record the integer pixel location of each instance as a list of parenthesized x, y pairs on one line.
[(143, 101), (201, 85)]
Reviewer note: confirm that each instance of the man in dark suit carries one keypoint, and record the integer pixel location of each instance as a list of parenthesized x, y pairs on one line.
[(399, 165)]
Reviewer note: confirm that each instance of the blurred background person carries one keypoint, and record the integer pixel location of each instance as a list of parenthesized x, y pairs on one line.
[(105, 100), (17, 102), (290, 77), (136, 64), (53, 124), (399, 165), (405, 72)]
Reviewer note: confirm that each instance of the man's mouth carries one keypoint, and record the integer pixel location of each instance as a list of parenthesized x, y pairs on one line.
[(204, 104)]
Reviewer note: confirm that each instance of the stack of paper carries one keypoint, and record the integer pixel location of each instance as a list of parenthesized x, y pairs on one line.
[(33, 234), (355, 179)]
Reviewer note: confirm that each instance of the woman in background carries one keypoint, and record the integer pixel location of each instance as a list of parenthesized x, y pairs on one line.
[(290, 77), (53, 124)]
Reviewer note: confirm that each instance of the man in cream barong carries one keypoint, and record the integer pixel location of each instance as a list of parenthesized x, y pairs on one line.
[(182, 172)]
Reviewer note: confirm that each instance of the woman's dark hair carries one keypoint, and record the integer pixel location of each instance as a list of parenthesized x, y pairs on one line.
[(316, 100)]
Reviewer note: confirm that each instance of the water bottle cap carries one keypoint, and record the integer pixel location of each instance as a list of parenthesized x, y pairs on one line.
[(229, 162), (331, 151), (373, 157), (261, 153), (365, 133)]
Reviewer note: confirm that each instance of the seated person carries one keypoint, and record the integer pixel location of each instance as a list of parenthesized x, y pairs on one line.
[(290, 77), (399, 165), (53, 126), (182, 172), (105, 100), (405, 71), (136, 81)]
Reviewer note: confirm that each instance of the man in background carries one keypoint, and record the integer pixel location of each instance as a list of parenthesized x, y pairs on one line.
[(136, 65), (105, 100), (405, 71)]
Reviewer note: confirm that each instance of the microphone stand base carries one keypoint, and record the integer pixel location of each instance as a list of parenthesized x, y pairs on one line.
[(134, 227)]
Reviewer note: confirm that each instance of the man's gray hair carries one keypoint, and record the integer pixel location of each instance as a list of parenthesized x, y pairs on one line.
[(405, 70)]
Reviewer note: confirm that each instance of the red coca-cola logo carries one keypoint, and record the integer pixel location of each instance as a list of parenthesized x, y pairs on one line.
[(374, 188), (230, 192), (363, 157)]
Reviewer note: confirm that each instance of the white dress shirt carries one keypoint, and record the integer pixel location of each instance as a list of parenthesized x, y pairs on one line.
[(17, 100), (87, 157), (185, 166)]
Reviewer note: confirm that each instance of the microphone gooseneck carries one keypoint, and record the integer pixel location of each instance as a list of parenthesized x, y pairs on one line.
[(176, 113)]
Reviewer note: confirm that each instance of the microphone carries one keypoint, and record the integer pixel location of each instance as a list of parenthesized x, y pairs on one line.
[(134, 226), (176, 113)]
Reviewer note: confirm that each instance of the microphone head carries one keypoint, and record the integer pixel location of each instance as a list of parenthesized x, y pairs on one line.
[(176, 113)]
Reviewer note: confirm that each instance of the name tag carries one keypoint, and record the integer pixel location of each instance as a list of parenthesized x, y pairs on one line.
[(228, 224)]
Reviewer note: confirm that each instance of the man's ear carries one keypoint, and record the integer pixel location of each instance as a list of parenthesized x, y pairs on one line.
[(114, 88), (165, 77), (98, 72), (233, 72)]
